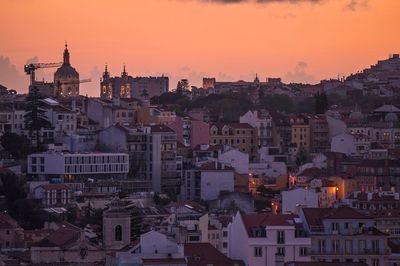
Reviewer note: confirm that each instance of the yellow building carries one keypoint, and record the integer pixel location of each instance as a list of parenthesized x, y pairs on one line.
[(300, 132), (240, 136)]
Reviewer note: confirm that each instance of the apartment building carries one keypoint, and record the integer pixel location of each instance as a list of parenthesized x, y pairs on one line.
[(241, 136), (268, 239), (344, 235), (72, 167), (262, 121)]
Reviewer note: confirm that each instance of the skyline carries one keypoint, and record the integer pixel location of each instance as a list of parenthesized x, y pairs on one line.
[(305, 41)]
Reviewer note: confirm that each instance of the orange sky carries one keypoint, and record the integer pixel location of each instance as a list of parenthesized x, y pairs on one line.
[(192, 39)]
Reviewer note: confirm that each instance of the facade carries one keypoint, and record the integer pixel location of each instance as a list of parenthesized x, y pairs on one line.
[(116, 226), (127, 86), (6, 119), (11, 235), (268, 239), (190, 132), (152, 153), (344, 235), (294, 199), (262, 121), (241, 136), (72, 167), (319, 134), (301, 132), (53, 194), (66, 78), (216, 178)]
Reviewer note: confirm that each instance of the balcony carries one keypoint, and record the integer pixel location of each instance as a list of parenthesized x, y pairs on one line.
[(342, 252)]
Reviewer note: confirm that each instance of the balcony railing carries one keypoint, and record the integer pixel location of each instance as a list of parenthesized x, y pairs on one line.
[(362, 252)]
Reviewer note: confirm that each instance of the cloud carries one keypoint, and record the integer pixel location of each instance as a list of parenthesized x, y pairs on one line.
[(353, 5), (299, 74), (11, 76)]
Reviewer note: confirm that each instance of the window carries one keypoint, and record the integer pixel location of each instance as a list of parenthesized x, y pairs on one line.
[(348, 246), (303, 252), (321, 245), (258, 252), (280, 251), (335, 246), (375, 262), (118, 233), (335, 226), (225, 233), (281, 237), (375, 246), (224, 244)]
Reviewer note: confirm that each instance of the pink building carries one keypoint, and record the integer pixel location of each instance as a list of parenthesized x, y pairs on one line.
[(191, 132)]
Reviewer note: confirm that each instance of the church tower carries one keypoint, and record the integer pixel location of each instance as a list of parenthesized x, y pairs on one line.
[(116, 226), (66, 78), (106, 85)]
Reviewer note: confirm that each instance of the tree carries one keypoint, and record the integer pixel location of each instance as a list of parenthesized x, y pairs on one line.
[(18, 146), (136, 224), (302, 156), (182, 87), (35, 118), (321, 103)]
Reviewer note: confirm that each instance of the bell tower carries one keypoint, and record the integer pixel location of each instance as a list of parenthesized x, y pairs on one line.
[(116, 226)]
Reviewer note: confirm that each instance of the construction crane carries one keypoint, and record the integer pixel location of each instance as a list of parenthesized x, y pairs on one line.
[(59, 83), (30, 68)]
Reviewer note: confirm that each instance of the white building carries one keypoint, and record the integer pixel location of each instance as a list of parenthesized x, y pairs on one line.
[(72, 166), (295, 198), (215, 178), (263, 122), (268, 239), (344, 143), (236, 159)]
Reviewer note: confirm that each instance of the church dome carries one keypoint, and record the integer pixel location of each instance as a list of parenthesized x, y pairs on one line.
[(66, 70), (391, 117), (356, 116)]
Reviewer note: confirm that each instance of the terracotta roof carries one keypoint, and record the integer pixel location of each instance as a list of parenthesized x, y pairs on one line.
[(313, 172), (55, 187), (314, 216), (202, 254), (6, 221), (232, 125), (322, 263), (224, 220), (261, 220), (164, 261), (63, 236), (216, 166)]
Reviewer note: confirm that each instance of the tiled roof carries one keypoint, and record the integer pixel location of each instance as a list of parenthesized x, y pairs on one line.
[(232, 125), (322, 263), (6, 221), (261, 220), (314, 216), (202, 254), (55, 187), (63, 236), (164, 261)]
